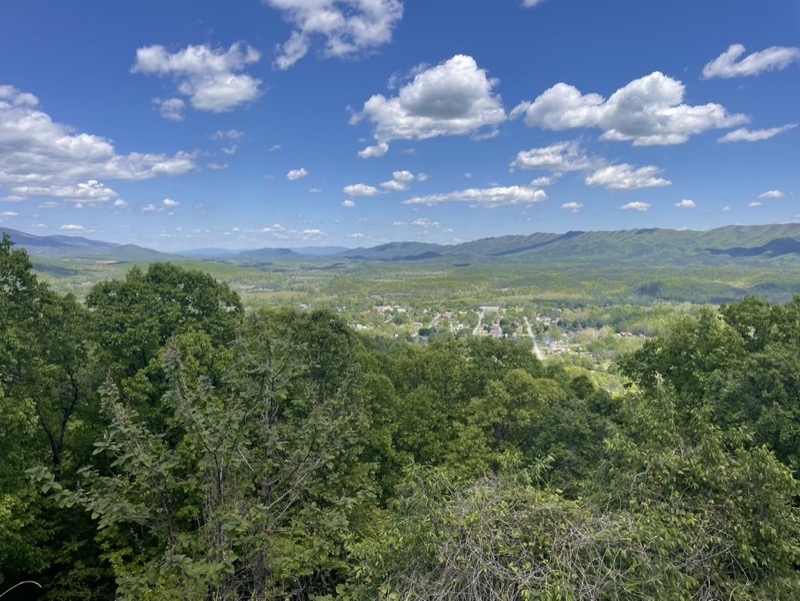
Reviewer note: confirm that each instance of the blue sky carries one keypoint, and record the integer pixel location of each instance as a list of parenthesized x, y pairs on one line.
[(197, 123)]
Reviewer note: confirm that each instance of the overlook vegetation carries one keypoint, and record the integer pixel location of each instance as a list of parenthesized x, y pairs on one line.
[(163, 441)]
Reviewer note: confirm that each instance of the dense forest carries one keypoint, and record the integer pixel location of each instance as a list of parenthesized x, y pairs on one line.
[(159, 442)]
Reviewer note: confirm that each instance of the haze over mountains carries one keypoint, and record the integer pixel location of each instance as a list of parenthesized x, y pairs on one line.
[(630, 247)]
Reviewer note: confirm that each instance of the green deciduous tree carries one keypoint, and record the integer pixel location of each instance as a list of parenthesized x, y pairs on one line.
[(677, 510), (253, 490), (533, 418), (720, 510), (133, 318), (742, 363), (48, 412)]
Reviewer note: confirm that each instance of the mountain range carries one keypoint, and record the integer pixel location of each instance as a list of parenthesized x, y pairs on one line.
[(654, 246)]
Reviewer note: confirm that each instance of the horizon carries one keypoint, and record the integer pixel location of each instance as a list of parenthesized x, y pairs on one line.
[(288, 124), (178, 251)]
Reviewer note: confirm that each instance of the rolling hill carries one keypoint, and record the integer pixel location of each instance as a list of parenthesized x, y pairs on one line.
[(640, 247), (642, 265), (77, 247)]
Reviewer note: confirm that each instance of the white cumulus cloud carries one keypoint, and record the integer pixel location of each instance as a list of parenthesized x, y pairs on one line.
[(451, 99), (563, 157), (169, 203), (296, 174), (746, 135), (211, 78), (371, 152), (625, 177), (559, 157), (498, 196), (400, 181), (394, 186), (728, 65), (572, 207), (348, 204), (647, 111), (41, 157), (361, 190), (686, 204), (17, 98), (348, 27), (636, 206), (71, 227), (772, 194)]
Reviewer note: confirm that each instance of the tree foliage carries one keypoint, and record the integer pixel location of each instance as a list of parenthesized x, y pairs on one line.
[(159, 443)]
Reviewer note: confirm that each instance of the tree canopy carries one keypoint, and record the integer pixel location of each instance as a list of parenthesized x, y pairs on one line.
[(160, 443)]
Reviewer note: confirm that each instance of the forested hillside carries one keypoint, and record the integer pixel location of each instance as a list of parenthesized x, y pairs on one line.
[(159, 442), (638, 266)]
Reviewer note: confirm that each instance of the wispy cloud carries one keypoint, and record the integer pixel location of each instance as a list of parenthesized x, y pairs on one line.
[(746, 135), (170, 108), (348, 27), (498, 196), (425, 222), (559, 157), (227, 134), (625, 177), (728, 65)]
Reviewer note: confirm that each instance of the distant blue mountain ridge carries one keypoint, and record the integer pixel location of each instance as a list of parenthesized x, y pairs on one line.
[(628, 247)]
